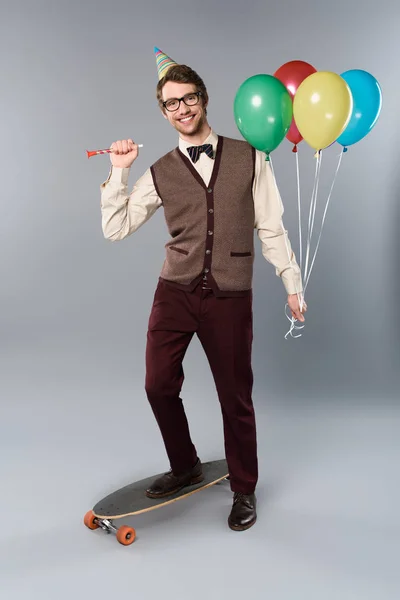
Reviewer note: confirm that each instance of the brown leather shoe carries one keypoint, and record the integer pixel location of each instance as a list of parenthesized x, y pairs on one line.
[(243, 514), (168, 484)]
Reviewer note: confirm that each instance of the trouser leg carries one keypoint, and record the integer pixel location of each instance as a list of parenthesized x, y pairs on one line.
[(226, 334), (171, 328)]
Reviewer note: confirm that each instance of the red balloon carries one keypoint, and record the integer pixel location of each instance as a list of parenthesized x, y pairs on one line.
[(292, 74)]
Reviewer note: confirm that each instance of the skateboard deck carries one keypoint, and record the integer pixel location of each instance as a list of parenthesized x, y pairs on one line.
[(132, 500)]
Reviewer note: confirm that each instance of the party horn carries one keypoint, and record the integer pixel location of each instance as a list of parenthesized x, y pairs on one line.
[(105, 151)]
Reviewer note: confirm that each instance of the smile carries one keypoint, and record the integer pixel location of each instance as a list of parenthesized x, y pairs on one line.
[(186, 119)]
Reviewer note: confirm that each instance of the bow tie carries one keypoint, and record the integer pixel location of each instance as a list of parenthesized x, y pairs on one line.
[(195, 151)]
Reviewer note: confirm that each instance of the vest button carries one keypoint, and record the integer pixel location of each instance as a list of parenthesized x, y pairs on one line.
[(209, 190), (210, 232), (210, 210), (208, 251), (206, 270)]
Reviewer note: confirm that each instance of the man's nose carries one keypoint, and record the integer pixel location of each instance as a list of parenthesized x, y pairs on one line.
[(183, 109)]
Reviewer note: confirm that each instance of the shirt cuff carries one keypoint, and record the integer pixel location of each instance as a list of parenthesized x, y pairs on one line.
[(292, 282), (117, 175)]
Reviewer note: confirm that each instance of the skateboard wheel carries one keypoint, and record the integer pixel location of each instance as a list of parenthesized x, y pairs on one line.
[(126, 535), (90, 520)]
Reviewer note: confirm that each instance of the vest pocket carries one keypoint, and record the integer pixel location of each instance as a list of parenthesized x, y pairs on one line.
[(179, 250), (240, 253)]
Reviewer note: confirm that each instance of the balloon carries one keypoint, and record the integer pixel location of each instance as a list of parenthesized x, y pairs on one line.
[(322, 108), (292, 74), (263, 112), (367, 104)]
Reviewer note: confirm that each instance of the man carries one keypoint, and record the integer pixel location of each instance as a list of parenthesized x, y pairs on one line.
[(214, 191)]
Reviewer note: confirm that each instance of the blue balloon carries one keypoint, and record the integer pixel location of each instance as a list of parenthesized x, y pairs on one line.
[(367, 104)]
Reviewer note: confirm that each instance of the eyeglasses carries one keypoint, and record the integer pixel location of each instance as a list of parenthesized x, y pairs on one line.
[(189, 99)]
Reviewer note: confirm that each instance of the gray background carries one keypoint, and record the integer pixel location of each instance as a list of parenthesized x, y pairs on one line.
[(74, 308)]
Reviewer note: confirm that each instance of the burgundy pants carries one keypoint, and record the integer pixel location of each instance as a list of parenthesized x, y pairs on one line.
[(224, 327)]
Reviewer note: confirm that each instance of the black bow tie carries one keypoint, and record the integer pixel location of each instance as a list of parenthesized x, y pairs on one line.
[(195, 151)]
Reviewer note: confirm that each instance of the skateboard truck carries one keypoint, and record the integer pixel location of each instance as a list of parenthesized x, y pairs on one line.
[(125, 535), (107, 525)]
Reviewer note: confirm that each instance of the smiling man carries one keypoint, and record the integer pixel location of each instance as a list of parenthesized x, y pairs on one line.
[(215, 191)]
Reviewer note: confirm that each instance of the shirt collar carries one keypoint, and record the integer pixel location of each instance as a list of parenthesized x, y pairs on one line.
[(212, 138)]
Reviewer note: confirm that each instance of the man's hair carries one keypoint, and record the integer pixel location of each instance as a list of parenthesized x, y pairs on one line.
[(182, 74)]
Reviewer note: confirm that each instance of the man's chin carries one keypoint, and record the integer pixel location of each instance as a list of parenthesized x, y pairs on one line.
[(187, 130)]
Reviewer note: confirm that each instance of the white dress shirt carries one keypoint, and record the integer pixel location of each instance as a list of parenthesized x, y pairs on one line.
[(123, 212)]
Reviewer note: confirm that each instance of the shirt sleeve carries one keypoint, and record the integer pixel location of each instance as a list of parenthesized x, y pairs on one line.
[(122, 213), (276, 246)]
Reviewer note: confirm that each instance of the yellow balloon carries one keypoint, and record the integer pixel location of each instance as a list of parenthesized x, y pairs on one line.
[(322, 108)]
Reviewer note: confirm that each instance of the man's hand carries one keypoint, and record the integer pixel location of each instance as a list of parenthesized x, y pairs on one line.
[(123, 153), (294, 305)]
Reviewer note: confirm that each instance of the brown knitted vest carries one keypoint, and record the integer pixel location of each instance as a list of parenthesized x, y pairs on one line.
[(211, 228)]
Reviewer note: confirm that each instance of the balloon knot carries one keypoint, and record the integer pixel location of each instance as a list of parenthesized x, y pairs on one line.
[(294, 148), (345, 149), (267, 157)]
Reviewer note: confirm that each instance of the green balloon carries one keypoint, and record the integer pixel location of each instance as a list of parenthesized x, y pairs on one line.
[(263, 111)]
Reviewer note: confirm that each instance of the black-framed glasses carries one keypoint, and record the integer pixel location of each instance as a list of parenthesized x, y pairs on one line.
[(189, 99)]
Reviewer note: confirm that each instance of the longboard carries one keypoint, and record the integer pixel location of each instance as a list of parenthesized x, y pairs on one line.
[(132, 500)]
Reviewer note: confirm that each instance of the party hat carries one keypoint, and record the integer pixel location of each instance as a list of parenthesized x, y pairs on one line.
[(164, 62)]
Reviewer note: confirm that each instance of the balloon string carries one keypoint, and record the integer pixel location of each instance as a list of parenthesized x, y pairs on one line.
[(292, 325), (323, 218), (299, 210), (300, 297), (309, 217), (316, 194), (311, 221), (311, 214)]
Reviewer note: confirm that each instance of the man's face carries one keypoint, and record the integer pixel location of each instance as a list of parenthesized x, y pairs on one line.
[(187, 120)]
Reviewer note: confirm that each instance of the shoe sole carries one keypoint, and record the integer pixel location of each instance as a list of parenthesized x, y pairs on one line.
[(198, 479), (241, 527)]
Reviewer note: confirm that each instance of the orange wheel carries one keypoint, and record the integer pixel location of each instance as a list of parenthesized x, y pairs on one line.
[(90, 520), (126, 535)]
